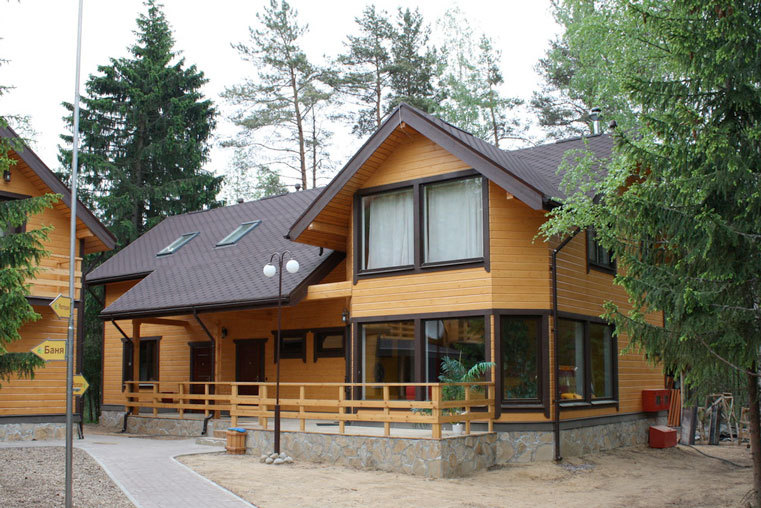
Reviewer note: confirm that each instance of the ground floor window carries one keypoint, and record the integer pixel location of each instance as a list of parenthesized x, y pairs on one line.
[(388, 356), (586, 360), (520, 338), (461, 339), (149, 359)]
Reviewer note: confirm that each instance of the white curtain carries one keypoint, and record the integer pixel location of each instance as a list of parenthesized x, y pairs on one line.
[(453, 222), (388, 230)]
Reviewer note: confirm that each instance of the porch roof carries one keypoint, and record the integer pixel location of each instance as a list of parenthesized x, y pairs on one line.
[(201, 276)]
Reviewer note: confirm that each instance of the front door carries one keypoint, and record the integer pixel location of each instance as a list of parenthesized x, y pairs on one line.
[(249, 364), (200, 367)]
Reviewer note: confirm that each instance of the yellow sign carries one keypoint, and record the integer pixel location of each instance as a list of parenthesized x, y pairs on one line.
[(51, 350), (61, 306), (80, 385)]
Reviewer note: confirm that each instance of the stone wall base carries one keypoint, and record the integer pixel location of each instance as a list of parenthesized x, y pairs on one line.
[(32, 431), (157, 426)]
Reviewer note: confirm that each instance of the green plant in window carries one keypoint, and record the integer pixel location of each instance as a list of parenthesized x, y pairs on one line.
[(454, 371)]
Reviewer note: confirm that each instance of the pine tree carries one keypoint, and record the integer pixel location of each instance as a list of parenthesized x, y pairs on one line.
[(275, 106), (145, 127), (368, 64), (471, 84), (414, 64), (679, 204)]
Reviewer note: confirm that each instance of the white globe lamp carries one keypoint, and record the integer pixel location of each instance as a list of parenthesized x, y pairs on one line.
[(269, 270), (292, 266)]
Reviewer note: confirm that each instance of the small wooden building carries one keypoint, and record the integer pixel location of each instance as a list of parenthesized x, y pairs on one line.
[(35, 408), (423, 246)]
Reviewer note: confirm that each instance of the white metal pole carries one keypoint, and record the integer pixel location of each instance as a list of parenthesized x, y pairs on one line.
[(72, 267)]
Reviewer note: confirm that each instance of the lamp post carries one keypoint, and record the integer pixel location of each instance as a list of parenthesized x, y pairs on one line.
[(270, 270)]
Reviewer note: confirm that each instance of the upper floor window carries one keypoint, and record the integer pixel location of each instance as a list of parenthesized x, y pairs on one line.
[(597, 255), (430, 223), (7, 228)]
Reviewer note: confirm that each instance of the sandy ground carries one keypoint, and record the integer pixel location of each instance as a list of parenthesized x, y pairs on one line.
[(633, 477), (34, 477)]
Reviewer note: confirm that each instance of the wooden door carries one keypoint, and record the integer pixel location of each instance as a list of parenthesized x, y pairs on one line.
[(200, 368), (249, 364)]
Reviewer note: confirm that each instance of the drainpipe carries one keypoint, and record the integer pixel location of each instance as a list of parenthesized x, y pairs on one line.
[(556, 422)]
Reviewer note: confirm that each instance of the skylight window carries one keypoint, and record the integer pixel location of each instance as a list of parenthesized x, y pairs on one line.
[(175, 245), (239, 233)]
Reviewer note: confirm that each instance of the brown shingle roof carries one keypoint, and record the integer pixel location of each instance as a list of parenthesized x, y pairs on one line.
[(203, 277)]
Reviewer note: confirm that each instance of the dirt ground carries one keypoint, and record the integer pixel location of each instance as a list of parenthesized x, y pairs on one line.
[(633, 477)]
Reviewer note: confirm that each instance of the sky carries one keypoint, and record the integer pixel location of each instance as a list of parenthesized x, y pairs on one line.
[(38, 38)]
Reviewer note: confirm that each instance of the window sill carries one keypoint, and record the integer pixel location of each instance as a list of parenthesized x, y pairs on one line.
[(518, 407), (602, 268), (425, 268), (589, 405)]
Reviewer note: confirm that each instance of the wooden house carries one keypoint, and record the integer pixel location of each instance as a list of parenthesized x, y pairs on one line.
[(33, 408), (423, 246)]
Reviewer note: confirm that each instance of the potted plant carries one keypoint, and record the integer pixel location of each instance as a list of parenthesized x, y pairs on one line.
[(454, 371)]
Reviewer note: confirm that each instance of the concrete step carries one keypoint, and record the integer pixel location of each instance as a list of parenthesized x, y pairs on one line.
[(211, 441)]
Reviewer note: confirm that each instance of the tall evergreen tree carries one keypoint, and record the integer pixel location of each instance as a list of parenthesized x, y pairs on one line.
[(368, 69), (471, 82), (274, 107), (414, 63), (679, 204), (145, 128)]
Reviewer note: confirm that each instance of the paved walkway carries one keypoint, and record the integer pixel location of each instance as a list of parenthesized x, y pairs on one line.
[(146, 471)]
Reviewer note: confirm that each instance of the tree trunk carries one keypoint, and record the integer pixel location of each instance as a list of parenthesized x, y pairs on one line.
[(378, 96), (300, 127), (314, 149), (755, 434)]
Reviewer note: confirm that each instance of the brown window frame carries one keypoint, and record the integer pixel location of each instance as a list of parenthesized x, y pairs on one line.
[(592, 260), (127, 367), (320, 351), (12, 196), (419, 265), (291, 334)]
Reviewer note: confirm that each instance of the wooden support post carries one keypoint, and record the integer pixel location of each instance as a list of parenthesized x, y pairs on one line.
[(490, 394), (386, 412), (136, 360), (206, 399), (302, 414), (182, 399), (234, 405), (436, 411), (341, 410), (155, 399), (467, 410), (262, 406)]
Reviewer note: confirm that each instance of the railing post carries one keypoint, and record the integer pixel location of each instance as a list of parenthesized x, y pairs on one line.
[(467, 412), (436, 411), (182, 399), (386, 411), (155, 400), (341, 409), (490, 395), (302, 414), (263, 406), (206, 399), (234, 405)]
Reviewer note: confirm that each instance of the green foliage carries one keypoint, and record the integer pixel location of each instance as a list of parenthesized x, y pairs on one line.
[(679, 204), (470, 81), (145, 128), (454, 371), (274, 107)]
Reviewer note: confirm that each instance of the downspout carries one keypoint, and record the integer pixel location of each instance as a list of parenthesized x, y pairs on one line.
[(556, 422)]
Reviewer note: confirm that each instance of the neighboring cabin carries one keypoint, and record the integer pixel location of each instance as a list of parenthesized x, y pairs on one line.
[(423, 246), (29, 405)]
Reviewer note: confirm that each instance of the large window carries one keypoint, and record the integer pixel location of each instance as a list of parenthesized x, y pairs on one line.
[(149, 359), (388, 356), (520, 338), (453, 220), (426, 224), (586, 360), (461, 339)]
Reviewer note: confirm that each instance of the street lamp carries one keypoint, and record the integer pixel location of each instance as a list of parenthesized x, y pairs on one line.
[(270, 270)]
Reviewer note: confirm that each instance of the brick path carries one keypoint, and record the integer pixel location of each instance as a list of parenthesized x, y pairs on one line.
[(146, 471)]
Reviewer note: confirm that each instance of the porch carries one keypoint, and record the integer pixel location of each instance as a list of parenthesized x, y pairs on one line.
[(326, 408)]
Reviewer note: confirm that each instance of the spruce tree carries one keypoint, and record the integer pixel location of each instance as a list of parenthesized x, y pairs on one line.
[(145, 128), (274, 107), (678, 203)]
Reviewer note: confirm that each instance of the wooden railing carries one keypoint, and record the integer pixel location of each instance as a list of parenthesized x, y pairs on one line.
[(314, 403), (53, 276)]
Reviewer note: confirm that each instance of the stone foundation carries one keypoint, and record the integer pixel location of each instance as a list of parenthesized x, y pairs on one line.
[(630, 431), (157, 426), (32, 431)]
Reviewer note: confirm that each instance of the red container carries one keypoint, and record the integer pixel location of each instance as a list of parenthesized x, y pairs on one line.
[(662, 436), (655, 400)]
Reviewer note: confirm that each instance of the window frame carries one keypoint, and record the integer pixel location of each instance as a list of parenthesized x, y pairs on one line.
[(290, 334), (418, 265), (127, 374), (319, 335), (224, 242), (587, 399), (593, 263), (12, 196), (190, 236), (541, 403)]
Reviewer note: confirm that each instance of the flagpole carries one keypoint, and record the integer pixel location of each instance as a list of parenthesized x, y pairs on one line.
[(72, 267)]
